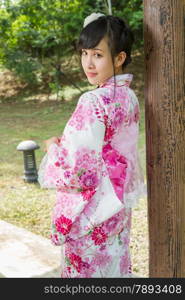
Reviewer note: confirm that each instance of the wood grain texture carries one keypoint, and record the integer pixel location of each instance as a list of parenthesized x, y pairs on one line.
[(164, 38)]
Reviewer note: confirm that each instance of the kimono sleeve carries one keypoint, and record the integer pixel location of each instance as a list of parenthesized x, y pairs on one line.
[(75, 165), (134, 186)]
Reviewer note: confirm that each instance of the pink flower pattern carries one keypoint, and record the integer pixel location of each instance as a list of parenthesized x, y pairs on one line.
[(99, 142), (87, 194), (76, 261), (89, 179), (101, 259), (63, 225), (98, 236)]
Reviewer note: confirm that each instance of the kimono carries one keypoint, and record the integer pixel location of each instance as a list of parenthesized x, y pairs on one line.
[(98, 179)]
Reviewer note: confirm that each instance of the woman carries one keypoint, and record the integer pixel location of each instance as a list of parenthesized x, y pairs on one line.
[(94, 165)]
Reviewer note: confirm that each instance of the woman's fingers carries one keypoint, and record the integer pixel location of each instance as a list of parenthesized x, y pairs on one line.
[(50, 141)]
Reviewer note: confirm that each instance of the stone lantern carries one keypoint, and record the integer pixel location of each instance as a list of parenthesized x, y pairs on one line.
[(30, 170)]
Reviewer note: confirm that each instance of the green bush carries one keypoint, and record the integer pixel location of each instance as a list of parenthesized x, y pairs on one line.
[(35, 31)]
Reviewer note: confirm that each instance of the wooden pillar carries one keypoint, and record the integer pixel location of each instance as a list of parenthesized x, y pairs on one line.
[(164, 37)]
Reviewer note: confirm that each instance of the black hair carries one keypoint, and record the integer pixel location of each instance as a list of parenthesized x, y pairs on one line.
[(120, 37)]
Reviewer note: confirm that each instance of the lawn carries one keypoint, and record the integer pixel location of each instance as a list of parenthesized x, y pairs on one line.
[(33, 117)]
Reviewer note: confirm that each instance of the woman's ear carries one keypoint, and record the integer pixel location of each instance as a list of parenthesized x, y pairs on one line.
[(119, 59)]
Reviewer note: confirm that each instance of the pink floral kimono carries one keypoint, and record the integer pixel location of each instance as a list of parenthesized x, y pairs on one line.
[(98, 179)]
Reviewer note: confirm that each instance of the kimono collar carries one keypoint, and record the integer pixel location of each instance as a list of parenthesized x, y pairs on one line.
[(119, 80)]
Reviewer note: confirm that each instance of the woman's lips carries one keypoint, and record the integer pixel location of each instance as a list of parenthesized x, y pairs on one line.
[(89, 74)]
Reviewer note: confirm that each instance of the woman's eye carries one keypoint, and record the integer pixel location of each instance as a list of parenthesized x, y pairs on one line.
[(98, 55), (84, 53)]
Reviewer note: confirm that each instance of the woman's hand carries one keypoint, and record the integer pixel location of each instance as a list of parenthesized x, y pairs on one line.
[(50, 141)]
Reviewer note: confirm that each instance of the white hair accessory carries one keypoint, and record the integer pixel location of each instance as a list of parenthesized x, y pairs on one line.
[(92, 17)]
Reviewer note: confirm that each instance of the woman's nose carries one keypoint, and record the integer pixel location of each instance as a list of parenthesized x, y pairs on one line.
[(89, 62)]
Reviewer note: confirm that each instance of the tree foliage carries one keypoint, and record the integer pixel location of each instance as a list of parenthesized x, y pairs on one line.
[(36, 35)]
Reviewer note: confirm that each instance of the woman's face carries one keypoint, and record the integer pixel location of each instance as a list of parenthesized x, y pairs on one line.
[(97, 63)]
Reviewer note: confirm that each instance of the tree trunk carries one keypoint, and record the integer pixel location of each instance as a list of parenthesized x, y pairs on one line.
[(164, 39)]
